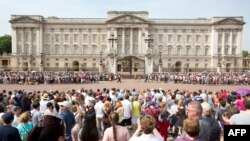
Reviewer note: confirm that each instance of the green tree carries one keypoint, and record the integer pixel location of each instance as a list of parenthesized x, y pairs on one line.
[(5, 44), (245, 53)]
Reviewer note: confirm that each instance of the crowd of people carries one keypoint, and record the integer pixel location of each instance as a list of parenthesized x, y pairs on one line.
[(113, 114), (70, 77)]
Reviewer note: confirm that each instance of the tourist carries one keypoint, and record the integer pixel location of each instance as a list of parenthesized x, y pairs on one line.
[(24, 126), (7, 132), (116, 132), (146, 125)]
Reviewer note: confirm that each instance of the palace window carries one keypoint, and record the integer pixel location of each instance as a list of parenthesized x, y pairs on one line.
[(170, 38), (206, 38), (94, 38), (220, 38), (19, 37), (57, 36), (34, 49), (57, 65), (47, 37), (197, 50), (187, 51), (197, 37), (85, 50), (169, 50), (160, 38), (66, 37), (179, 38), (188, 38), (227, 38), (75, 37), (178, 50), (234, 38), (104, 38), (233, 50), (219, 50), (206, 51), (85, 38), (26, 36), (57, 49), (26, 49), (226, 50), (34, 37)]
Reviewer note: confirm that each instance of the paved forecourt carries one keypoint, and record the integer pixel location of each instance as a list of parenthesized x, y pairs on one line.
[(126, 84)]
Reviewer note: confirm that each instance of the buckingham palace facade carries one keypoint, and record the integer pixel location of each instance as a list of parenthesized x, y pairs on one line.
[(126, 42)]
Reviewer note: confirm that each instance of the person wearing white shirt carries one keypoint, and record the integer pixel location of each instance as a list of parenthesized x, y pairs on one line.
[(17, 113), (51, 110), (99, 114), (36, 115), (127, 106), (43, 103)]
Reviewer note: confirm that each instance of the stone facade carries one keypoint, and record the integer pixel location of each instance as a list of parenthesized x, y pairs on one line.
[(87, 44)]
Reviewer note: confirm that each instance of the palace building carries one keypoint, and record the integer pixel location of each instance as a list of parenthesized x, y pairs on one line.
[(126, 42)]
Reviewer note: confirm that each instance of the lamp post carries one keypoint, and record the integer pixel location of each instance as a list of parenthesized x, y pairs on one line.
[(160, 62), (111, 40), (219, 64), (101, 63), (149, 40), (148, 56), (112, 54), (41, 62)]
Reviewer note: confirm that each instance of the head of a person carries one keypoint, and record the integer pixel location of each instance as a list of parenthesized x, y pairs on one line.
[(64, 106), (8, 117), (191, 126), (50, 105), (17, 110), (194, 109), (107, 107), (118, 104), (24, 117), (226, 115), (247, 103), (180, 103), (36, 105), (223, 103), (147, 124), (114, 118), (52, 129), (89, 130), (206, 109), (91, 104)]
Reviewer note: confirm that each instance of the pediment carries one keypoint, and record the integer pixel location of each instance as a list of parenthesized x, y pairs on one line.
[(229, 21), (24, 19), (127, 19)]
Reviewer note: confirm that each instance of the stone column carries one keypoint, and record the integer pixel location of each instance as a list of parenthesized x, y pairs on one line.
[(37, 41), (223, 43), (239, 42), (214, 49), (123, 41), (131, 41), (41, 47), (30, 41), (140, 41), (23, 41), (231, 42), (238, 52), (14, 40)]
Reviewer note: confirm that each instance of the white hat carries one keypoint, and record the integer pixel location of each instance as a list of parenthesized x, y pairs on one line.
[(64, 103)]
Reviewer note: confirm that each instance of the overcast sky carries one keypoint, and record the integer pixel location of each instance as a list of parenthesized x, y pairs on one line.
[(168, 9)]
